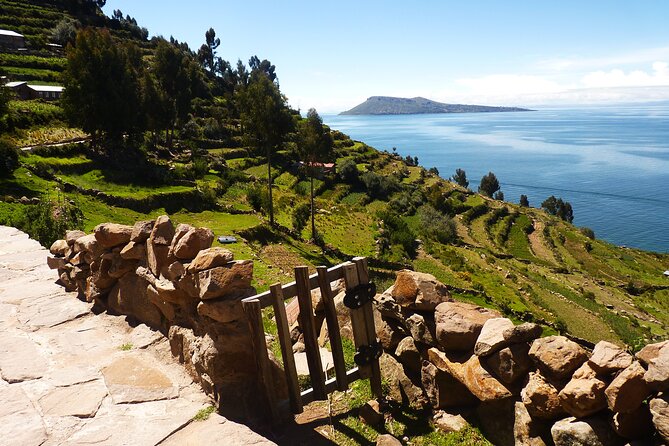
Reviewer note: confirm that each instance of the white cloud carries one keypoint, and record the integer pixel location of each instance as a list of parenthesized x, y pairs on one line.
[(642, 56), (637, 78), (510, 84)]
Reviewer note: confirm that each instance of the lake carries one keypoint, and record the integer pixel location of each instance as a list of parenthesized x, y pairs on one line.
[(611, 163)]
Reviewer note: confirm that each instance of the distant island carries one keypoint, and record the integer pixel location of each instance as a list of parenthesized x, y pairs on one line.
[(385, 105)]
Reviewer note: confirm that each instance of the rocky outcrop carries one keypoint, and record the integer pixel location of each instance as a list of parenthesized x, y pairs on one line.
[(520, 385)]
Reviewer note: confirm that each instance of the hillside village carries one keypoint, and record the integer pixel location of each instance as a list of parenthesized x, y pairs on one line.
[(194, 145)]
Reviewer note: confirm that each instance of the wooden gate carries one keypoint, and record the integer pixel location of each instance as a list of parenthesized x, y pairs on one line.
[(359, 295)]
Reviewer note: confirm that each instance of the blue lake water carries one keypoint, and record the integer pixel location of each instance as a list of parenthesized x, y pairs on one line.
[(610, 163)]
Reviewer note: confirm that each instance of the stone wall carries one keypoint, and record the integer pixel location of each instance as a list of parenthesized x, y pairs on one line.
[(463, 360), (171, 279)]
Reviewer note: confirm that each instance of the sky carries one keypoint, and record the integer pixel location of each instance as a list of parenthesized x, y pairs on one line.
[(333, 55)]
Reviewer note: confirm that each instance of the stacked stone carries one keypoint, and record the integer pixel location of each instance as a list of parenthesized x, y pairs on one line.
[(171, 279), (459, 358)]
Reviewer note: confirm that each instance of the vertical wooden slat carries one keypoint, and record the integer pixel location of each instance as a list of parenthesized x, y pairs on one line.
[(254, 317), (309, 332), (333, 328), (286, 348), (357, 315), (368, 310)]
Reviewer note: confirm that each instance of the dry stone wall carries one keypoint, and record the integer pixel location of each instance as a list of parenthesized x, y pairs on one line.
[(460, 359), (171, 279)]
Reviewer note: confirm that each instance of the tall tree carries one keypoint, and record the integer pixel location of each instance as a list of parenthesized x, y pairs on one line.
[(524, 202), (315, 147), (266, 121), (460, 178), (178, 76), (207, 52), (558, 207), (489, 184), (102, 85)]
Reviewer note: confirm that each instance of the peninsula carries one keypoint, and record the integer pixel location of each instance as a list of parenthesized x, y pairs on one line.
[(386, 105)]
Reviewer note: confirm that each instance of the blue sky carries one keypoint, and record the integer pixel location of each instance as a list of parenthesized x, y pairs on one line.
[(333, 55)]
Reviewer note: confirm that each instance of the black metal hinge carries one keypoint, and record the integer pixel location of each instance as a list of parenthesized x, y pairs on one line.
[(368, 353), (360, 295)]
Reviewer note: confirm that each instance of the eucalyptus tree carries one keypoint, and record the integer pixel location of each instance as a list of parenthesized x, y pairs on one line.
[(315, 147), (266, 121)]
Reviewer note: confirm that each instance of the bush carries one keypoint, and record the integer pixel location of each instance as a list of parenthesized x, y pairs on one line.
[(348, 171), (301, 216), (257, 197), (9, 157), (436, 226), (396, 231), (588, 232), (47, 221)]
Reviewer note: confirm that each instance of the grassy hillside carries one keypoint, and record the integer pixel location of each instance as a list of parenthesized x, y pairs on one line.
[(526, 263)]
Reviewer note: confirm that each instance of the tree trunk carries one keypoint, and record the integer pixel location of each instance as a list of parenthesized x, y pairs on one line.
[(313, 223), (269, 187)]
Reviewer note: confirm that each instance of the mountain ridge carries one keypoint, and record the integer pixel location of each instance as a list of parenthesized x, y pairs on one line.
[(389, 105)]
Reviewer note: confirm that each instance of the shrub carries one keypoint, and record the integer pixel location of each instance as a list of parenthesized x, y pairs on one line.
[(397, 232), (9, 157), (257, 197), (47, 221), (587, 232), (301, 216), (436, 226)]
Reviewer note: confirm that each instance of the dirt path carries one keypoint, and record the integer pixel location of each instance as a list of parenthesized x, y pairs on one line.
[(538, 244), (71, 377)]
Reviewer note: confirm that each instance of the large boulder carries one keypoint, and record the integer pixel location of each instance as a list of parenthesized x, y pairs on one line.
[(59, 248), (459, 324), (589, 432), (526, 431), (557, 356), (448, 423), (210, 258), (408, 355), (498, 333), (72, 235), (141, 231), (541, 398), (659, 409), (509, 364), (634, 425), (657, 375), (608, 358), (390, 333), (443, 390), (421, 329), (650, 352), (223, 311), (194, 241), (133, 251), (419, 291), (162, 232), (231, 280), (584, 394), (470, 373), (129, 297), (109, 235), (401, 387), (387, 307), (88, 243), (628, 389)]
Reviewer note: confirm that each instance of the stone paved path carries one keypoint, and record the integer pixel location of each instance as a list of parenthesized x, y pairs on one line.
[(69, 377)]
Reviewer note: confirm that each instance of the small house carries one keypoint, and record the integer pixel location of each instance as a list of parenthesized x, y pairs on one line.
[(12, 40), (25, 91), (322, 168)]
